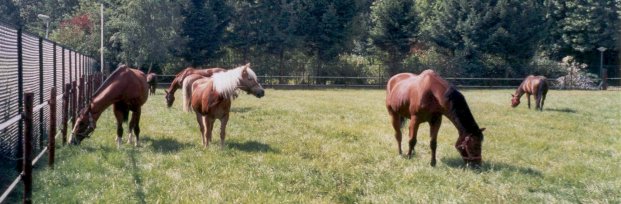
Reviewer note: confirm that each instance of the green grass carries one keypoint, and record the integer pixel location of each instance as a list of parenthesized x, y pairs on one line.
[(337, 146)]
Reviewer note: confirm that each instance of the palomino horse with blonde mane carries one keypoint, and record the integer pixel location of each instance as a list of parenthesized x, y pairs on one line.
[(126, 90), (211, 98), (425, 98), (178, 81), (152, 81), (532, 85)]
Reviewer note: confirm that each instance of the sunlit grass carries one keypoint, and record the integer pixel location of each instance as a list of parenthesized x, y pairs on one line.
[(333, 146)]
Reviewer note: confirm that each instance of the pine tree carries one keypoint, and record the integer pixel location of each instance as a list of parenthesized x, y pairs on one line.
[(394, 29), (204, 27)]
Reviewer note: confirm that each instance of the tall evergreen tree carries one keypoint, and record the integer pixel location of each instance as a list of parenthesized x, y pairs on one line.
[(204, 27), (487, 37), (394, 29)]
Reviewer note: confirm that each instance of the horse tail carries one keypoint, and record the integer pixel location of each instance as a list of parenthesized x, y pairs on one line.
[(187, 93)]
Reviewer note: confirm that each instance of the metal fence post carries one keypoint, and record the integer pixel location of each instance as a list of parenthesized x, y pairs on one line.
[(51, 139), (27, 161)]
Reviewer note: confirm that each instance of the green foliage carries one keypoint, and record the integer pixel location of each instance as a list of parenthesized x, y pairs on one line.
[(9, 12), (277, 152), (473, 33), (578, 28), (204, 26), (394, 30), (145, 32)]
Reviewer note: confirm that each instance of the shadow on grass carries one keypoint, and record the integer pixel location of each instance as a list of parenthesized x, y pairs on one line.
[(492, 166), (163, 145), (139, 192), (240, 110), (251, 146), (563, 110)]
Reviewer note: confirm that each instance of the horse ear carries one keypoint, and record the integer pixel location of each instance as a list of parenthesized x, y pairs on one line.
[(482, 129)]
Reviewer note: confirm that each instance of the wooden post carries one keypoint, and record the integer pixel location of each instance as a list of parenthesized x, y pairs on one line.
[(81, 93), (51, 140), (27, 164), (74, 98), (65, 117)]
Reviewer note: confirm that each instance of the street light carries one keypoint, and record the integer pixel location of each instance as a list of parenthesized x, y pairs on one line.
[(46, 20), (602, 72)]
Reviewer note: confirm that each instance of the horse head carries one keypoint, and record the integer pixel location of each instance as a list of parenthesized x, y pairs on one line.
[(170, 98), (84, 126), (515, 100), (469, 146), (249, 82)]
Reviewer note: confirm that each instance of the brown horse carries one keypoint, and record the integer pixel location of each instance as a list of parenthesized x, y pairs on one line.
[(187, 90), (425, 98), (178, 81), (152, 81), (126, 90), (532, 85), (211, 98)]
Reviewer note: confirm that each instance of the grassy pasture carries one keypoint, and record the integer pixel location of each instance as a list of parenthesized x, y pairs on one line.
[(337, 146)]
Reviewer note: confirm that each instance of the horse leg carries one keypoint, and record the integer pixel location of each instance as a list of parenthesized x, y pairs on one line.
[(118, 114), (528, 97), (434, 126), (396, 124), (223, 122), (543, 98), (201, 125), (134, 124), (413, 131), (208, 122)]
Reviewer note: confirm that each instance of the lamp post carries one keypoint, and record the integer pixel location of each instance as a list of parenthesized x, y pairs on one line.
[(602, 72), (46, 20)]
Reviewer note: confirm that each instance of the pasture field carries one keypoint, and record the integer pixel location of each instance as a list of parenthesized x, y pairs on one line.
[(337, 146)]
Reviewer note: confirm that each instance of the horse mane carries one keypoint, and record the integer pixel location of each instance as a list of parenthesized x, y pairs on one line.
[(225, 83), (108, 80), (461, 112)]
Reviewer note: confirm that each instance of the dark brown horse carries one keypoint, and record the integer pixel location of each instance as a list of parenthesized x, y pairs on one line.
[(126, 90), (532, 85), (211, 98), (152, 81), (426, 98), (178, 81)]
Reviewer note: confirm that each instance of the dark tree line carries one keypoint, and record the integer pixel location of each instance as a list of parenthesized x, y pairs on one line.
[(499, 38)]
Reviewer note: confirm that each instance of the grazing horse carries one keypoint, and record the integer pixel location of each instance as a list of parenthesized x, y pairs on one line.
[(178, 81), (152, 81), (126, 90), (211, 98), (532, 85), (425, 98)]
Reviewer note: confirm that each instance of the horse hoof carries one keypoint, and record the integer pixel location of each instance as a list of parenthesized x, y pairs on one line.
[(433, 163)]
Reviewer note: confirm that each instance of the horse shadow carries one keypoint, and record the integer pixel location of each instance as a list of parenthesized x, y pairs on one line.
[(492, 166), (563, 110), (163, 145), (252, 146)]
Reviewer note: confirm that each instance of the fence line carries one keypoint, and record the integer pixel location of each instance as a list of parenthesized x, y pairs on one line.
[(40, 68)]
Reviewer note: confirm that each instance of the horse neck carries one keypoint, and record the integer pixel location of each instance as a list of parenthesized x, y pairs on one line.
[(520, 90), (225, 83), (459, 113), (174, 86)]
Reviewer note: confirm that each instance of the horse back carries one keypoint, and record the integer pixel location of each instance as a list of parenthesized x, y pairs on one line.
[(411, 94)]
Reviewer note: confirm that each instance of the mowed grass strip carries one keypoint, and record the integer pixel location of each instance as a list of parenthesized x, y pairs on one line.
[(337, 146)]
